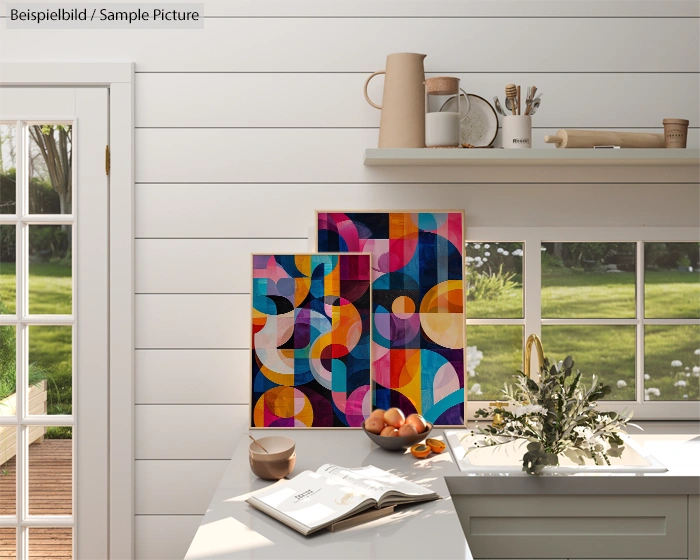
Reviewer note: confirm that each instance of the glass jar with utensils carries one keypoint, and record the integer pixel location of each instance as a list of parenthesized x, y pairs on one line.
[(442, 127)]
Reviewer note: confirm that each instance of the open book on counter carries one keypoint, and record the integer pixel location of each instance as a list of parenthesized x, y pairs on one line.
[(316, 500)]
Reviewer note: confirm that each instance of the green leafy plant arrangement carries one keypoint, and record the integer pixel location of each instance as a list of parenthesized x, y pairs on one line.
[(558, 416)]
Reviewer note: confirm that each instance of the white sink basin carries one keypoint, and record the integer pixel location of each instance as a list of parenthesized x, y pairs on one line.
[(508, 458)]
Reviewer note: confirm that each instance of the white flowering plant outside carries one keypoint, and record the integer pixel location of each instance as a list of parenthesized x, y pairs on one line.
[(558, 416), (492, 269), (474, 357), (682, 382)]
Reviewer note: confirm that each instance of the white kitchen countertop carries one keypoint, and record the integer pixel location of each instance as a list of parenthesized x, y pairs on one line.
[(232, 529)]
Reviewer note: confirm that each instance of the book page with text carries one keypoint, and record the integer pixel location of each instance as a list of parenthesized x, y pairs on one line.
[(312, 499), (373, 481)]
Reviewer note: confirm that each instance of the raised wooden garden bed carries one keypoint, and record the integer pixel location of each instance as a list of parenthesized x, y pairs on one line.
[(8, 406)]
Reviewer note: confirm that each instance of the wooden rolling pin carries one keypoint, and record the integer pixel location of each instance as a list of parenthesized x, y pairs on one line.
[(565, 138)]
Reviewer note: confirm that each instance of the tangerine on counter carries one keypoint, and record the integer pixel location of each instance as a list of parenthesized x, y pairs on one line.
[(435, 445), (420, 451)]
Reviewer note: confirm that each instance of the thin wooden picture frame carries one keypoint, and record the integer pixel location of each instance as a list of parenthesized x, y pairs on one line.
[(464, 279), (251, 404)]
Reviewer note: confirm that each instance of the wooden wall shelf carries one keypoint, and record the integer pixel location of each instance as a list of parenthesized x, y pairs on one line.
[(543, 157)]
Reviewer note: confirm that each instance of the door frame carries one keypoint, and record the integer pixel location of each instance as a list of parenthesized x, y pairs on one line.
[(119, 78)]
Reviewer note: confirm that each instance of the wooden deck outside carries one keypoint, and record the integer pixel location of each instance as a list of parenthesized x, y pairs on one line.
[(50, 493)]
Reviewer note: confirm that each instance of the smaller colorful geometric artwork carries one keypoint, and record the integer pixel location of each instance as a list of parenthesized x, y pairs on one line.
[(311, 340)]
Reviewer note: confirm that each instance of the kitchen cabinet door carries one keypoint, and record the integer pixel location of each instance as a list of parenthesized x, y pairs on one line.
[(693, 527), (581, 527)]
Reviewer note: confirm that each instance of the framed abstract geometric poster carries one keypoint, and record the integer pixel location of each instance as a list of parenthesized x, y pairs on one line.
[(418, 346), (310, 341)]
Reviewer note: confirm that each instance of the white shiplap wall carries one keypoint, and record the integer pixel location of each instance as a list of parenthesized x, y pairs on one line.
[(248, 126)]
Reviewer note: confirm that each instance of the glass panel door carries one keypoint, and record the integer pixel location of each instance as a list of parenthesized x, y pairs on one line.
[(44, 455)]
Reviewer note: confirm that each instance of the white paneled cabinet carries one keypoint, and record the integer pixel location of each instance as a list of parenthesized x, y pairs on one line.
[(693, 527), (581, 527)]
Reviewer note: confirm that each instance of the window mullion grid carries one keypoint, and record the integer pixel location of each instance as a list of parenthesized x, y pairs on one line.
[(639, 361), (671, 321), (28, 320), (22, 321), (584, 322), (532, 288), (48, 219), (495, 321), (532, 284), (637, 322), (22, 463), (74, 343)]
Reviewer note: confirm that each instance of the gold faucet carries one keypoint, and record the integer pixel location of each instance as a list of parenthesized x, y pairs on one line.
[(532, 340)]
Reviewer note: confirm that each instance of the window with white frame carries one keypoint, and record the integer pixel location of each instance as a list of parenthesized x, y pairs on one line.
[(624, 302)]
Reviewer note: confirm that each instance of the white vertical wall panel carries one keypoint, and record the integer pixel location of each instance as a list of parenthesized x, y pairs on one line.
[(189, 431), (264, 155), (175, 211), (192, 321), (164, 537), (192, 376), (443, 8), (202, 265), (331, 100), (176, 487), (361, 45)]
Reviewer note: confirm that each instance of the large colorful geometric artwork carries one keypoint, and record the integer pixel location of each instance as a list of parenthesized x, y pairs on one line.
[(311, 340), (417, 304)]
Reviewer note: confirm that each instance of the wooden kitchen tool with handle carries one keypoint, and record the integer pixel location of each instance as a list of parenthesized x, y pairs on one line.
[(512, 94), (565, 138)]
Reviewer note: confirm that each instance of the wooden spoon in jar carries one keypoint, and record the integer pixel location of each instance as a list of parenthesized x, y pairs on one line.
[(512, 94)]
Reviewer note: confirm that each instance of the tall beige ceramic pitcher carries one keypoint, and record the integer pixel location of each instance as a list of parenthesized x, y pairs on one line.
[(402, 123)]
